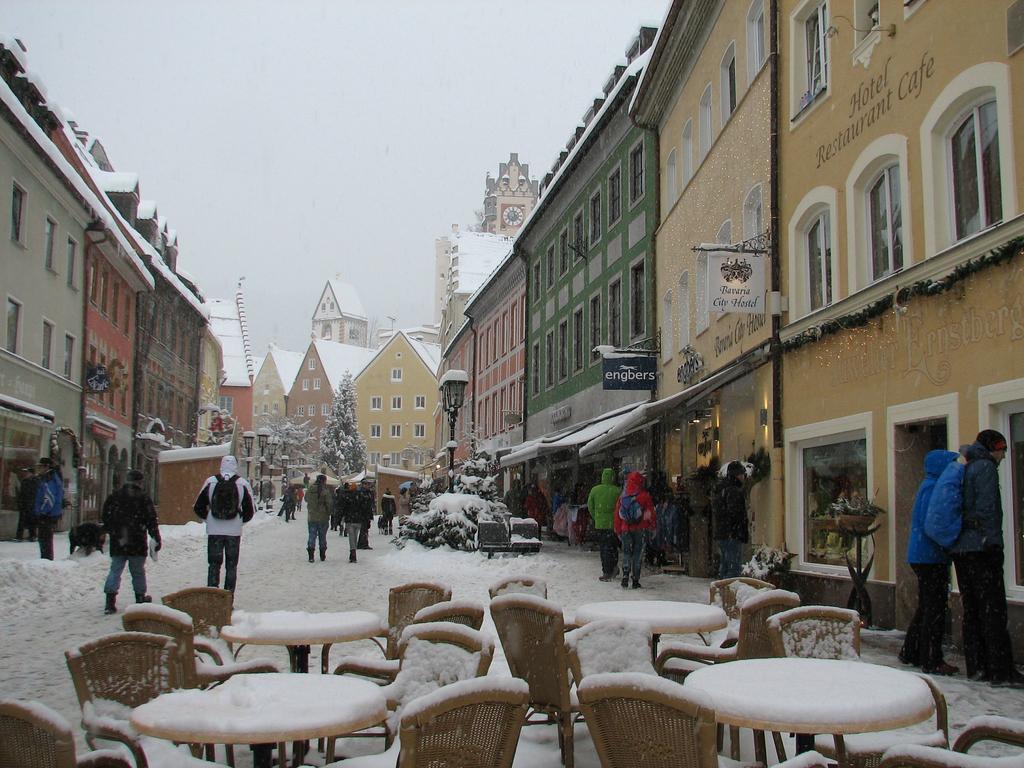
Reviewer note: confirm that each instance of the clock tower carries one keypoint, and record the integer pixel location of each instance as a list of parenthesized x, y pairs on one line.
[(509, 198)]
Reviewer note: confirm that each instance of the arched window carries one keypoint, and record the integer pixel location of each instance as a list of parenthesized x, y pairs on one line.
[(976, 183), (885, 223), (705, 122), (817, 245), (728, 82), (671, 181), (667, 327), (753, 213), (702, 292), (683, 310), (755, 39), (687, 150)]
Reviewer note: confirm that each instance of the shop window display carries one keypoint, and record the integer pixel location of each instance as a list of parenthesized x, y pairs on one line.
[(1015, 506), (19, 448), (833, 472)]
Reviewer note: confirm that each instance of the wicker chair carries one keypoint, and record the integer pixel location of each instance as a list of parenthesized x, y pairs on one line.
[(532, 633), (34, 736), (587, 648), (865, 750), (724, 592), (465, 612), (524, 584), (676, 660), (209, 607), (161, 620), (122, 670), (1004, 730), (816, 632)]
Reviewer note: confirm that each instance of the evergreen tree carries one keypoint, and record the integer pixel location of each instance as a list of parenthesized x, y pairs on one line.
[(341, 446)]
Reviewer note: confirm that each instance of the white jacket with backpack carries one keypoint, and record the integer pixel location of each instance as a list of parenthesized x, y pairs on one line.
[(216, 526)]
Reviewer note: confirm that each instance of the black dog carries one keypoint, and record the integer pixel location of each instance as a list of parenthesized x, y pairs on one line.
[(88, 537)]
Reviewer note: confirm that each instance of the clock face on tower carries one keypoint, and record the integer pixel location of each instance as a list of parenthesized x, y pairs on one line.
[(513, 215)]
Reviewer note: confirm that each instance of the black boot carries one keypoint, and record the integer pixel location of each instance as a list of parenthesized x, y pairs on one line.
[(111, 606), (625, 581), (142, 597), (309, 551), (351, 555), (323, 555)]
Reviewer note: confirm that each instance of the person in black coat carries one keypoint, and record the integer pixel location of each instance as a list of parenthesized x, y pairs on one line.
[(26, 502), (365, 507), (129, 518), (731, 527)]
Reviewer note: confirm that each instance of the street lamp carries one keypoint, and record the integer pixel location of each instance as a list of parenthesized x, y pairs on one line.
[(262, 435), (453, 391), (272, 444), (284, 471), (247, 438)]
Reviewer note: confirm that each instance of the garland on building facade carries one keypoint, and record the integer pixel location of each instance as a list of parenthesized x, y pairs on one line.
[(931, 287)]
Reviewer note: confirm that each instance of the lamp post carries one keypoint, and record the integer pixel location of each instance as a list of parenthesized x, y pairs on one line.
[(284, 471), (453, 391), (247, 440), (271, 450)]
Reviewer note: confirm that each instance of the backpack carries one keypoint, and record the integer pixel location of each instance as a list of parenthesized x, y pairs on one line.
[(50, 496), (630, 510), (944, 516), (224, 501)]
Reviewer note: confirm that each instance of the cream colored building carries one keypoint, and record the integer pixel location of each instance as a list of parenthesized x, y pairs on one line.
[(273, 382), (396, 399)]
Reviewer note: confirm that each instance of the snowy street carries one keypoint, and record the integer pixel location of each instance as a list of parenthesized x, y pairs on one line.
[(52, 606)]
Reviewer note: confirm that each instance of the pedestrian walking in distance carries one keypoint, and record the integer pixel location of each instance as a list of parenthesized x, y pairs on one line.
[(49, 505), (601, 505), (225, 503), (130, 520), (318, 510), (634, 515)]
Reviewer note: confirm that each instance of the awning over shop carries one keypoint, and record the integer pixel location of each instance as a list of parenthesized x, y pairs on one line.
[(25, 408)]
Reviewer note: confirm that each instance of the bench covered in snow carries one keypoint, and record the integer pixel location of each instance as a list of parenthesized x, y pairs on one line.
[(518, 534)]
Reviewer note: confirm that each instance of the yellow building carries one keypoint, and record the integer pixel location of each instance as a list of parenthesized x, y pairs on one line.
[(273, 382), (211, 371), (396, 397), (901, 238)]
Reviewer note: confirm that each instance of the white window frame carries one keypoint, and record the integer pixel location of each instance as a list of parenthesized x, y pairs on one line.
[(305, 385), (683, 310), (612, 174), (396, 430), (69, 359), (687, 152), (312, 363), (375, 457), (971, 115), (703, 314), (396, 402), (325, 409), (808, 209), (635, 332), (376, 403), (19, 236), (49, 242), (375, 431), (316, 383), (884, 180), (419, 430), (596, 227), (46, 347), (18, 330), (396, 374), (756, 48), (804, 93), (706, 128), (728, 84), (671, 182), (635, 200), (753, 213), (420, 402), (71, 262)]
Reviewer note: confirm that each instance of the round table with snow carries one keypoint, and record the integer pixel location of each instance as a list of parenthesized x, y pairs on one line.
[(297, 630), (812, 696), (263, 710), (664, 617)]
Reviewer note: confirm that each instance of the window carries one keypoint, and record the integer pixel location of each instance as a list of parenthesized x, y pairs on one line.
[(705, 122), (829, 472), (753, 213), (353, 333), (536, 281), (316, 383), (728, 74), (396, 402), (818, 249), (93, 282), (69, 354), (615, 314), (312, 363), (637, 324), (274, 409), (550, 260), (549, 359), (325, 409), (419, 430), (636, 173), (396, 457), (227, 404), (326, 332), (703, 318), (535, 368), (13, 325), (115, 304), (671, 180), (577, 235), (595, 217), (885, 223), (72, 258), (300, 410), (396, 374), (396, 430), (375, 430), (563, 349), (513, 328), (376, 403), (976, 182), (385, 460), (614, 196), (421, 402), (375, 457), (683, 310), (687, 152), (305, 385), (668, 327), (49, 235), (816, 49), (595, 326), (18, 214), (265, 408), (47, 344), (577, 339), (563, 253), (755, 39), (104, 280)]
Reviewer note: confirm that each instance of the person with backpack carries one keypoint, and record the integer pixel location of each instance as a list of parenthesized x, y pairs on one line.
[(731, 527), (634, 516), (287, 504), (922, 645), (388, 508), (319, 503), (49, 505), (978, 559), (225, 503), (26, 496), (130, 520), (601, 503)]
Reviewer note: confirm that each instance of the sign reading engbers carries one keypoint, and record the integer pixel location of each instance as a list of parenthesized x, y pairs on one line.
[(736, 283), (639, 372)]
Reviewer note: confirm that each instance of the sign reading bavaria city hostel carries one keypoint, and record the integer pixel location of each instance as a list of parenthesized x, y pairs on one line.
[(629, 372), (736, 282)]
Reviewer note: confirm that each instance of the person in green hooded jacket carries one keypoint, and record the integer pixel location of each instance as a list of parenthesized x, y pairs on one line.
[(601, 505)]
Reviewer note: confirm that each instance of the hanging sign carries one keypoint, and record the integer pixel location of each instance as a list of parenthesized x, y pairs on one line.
[(736, 282), (639, 372), (96, 378)]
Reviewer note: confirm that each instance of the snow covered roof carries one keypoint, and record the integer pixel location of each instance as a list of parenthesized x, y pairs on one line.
[(478, 253), (338, 358), (347, 298), (228, 324), (117, 181), (146, 209), (287, 364), (430, 354), (194, 454)]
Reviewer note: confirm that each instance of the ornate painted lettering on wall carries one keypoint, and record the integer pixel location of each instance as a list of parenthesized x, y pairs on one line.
[(741, 329)]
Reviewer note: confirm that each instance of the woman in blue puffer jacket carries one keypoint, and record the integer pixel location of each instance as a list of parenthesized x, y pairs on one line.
[(930, 563)]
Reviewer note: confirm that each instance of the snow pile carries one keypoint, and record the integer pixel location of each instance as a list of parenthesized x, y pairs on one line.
[(450, 520)]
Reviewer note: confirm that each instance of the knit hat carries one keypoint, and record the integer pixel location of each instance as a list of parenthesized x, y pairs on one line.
[(134, 476), (991, 440)]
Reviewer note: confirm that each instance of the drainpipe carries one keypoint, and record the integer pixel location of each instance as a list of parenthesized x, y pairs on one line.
[(777, 528), (95, 235)]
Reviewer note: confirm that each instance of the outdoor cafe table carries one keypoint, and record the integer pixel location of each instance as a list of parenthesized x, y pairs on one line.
[(812, 696), (298, 630), (662, 616), (264, 710)]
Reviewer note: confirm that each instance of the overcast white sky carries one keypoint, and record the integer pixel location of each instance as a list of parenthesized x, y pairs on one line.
[(286, 141)]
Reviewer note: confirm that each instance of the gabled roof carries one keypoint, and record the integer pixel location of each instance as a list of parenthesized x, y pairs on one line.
[(337, 358), (430, 354), (228, 324), (286, 363), (346, 297)]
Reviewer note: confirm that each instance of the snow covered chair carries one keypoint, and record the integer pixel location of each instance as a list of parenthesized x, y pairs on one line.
[(523, 584), (209, 607), (532, 634), (729, 594), (865, 750), (161, 620), (34, 736), (493, 536), (816, 632), (1005, 730), (466, 612), (610, 645)]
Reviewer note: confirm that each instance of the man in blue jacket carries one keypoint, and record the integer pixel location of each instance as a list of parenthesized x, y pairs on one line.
[(978, 559)]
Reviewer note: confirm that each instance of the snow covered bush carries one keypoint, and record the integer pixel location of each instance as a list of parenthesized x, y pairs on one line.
[(767, 563), (449, 519), (479, 477)]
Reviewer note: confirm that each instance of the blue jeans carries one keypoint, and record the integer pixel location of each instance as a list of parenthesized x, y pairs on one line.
[(632, 553), (317, 531), (729, 564), (136, 566)]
